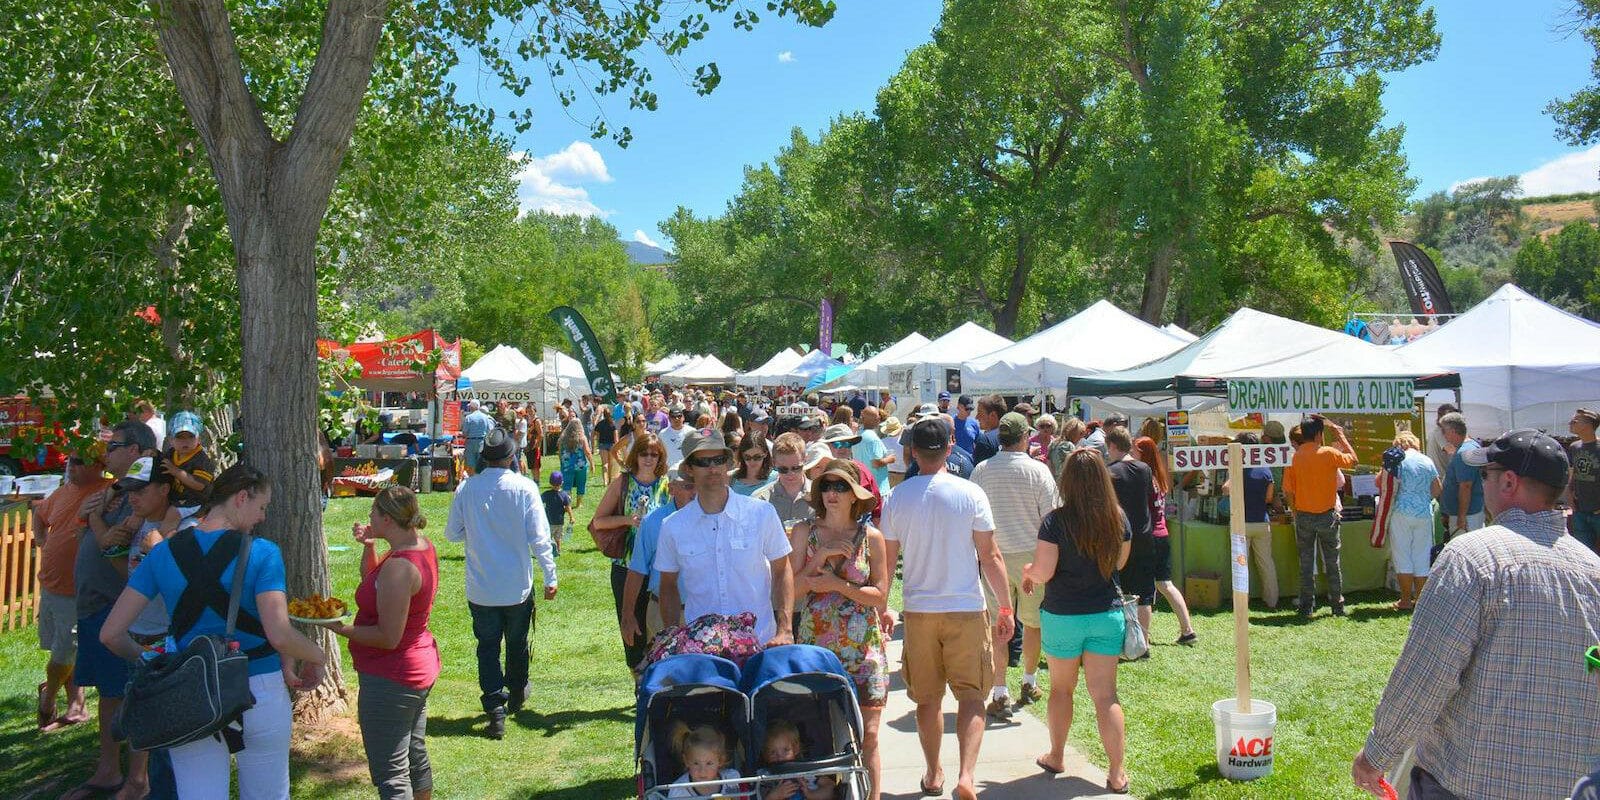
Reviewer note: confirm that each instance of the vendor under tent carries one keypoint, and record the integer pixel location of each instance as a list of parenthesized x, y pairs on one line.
[(870, 374), (1273, 364), (1523, 362), (936, 366), (668, 364), (771, 372), (1099, 338), (704, 370), (400, 365)]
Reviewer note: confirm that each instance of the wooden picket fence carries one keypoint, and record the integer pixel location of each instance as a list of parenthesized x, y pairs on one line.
[(19, 568)]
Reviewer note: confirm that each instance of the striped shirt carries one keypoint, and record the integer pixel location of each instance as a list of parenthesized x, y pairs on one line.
[(1021, 494), (1491, 686)]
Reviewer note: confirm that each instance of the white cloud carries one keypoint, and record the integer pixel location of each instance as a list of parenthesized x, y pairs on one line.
[(786, 57), (644, 238), (552, 182), (1568, 174)]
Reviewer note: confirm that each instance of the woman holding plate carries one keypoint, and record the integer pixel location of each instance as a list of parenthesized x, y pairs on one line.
[(394, 654)]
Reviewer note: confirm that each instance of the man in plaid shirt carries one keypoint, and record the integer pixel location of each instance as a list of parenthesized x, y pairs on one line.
[(1491, 687)]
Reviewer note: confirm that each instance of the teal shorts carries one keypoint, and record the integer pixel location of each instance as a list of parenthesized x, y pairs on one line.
[(1071, 635)]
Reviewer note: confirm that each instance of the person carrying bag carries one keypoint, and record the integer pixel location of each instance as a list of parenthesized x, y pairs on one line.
[(221, 691)]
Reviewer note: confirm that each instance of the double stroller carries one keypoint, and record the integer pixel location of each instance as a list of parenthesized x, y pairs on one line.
[(802, 685)]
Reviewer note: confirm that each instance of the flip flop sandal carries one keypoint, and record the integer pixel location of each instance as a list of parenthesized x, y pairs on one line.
[(1039, 762), (929, 790), (86, 790)]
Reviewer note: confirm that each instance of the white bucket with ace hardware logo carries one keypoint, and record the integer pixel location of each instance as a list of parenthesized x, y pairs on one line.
[(1244, 741)]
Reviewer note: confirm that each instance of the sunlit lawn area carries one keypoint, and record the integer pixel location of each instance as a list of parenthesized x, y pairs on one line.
[(575, 740)]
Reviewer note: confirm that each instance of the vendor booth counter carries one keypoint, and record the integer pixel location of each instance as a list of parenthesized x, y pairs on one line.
[(366, 477), (1204, 546)]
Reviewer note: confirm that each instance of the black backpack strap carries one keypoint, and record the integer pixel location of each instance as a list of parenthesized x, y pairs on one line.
[(204, 571)]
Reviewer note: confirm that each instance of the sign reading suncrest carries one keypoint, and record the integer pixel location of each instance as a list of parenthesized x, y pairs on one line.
[(1188, 459), (1322, 395)]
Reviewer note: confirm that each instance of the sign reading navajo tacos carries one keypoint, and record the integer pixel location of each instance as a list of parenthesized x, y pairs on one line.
[(1188, 459), (587, 348), (1322, 395)]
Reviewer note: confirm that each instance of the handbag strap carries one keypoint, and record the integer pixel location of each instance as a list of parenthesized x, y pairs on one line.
[(238, 580)]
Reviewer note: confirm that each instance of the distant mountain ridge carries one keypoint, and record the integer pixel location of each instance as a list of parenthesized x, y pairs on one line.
[(645, 255)]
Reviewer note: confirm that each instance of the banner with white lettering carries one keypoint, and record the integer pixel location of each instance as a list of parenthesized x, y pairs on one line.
[(1188, 459), (1322, 395)]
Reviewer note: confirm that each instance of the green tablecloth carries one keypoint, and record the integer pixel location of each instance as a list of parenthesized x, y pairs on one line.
[(1204, 548)]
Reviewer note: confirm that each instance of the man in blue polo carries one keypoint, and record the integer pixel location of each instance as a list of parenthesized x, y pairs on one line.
[(966, 425), (474, 426)]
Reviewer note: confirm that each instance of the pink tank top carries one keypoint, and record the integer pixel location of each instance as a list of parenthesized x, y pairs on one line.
[(414, 662)]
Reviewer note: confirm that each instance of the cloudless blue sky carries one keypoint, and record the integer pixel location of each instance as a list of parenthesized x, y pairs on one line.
[(1476, 110)]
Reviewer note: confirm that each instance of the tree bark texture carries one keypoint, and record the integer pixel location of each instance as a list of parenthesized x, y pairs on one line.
[(1005, 321), (275, 194), (1157, 280)]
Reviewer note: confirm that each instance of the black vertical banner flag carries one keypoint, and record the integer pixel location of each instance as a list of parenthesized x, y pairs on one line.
[(587, 349), (1423, 284)]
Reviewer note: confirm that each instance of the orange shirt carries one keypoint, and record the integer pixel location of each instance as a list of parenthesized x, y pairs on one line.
[(62, 528), (1313, 477)]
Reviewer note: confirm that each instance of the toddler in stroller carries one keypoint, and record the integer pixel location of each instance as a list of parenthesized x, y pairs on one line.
[(704, 753), (803, 714), (691, 725)]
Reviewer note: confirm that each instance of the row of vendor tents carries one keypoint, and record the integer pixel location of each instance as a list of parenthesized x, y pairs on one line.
[(1516, 360)]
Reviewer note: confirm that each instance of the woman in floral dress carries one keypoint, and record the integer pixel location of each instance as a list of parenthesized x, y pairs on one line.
[(842, 581), (639, 490)]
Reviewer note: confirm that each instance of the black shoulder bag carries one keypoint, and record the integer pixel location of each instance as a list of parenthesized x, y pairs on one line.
[(204, 689)]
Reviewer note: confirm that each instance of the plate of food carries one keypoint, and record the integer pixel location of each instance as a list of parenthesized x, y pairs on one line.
[(318, 610)]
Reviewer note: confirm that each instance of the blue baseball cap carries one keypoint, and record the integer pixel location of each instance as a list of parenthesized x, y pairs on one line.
[(187, 422)]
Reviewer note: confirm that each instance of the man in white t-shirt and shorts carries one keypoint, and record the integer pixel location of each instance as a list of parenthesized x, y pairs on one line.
[(945, 527)]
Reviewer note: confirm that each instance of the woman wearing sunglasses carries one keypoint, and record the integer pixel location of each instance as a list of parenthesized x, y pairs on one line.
[(752, 467), (842, 581), (627, 501)]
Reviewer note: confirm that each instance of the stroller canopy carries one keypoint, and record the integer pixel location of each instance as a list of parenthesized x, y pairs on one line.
[(789, 660), (689, 670)]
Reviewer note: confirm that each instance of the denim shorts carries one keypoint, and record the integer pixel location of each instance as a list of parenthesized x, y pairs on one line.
[(1071, 635), (97, 666)]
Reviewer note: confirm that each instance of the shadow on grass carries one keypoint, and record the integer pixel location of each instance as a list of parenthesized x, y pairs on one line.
[(1204, 774), (546, 725), (601, 788), (42, 765)]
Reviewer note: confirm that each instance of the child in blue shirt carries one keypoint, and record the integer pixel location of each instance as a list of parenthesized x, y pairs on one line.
[(557, 509)]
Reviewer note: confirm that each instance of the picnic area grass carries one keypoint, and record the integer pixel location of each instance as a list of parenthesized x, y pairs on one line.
[(574, 741)]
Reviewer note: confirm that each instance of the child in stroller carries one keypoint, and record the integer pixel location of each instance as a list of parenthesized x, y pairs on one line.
[(783, 747), (704, 753)]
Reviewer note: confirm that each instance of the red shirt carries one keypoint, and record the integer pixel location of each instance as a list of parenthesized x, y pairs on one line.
[(414, 662)]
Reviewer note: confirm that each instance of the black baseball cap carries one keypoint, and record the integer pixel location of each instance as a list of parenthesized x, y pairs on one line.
[(930, 434), (944, 395), (1527, 452), (964, 401)]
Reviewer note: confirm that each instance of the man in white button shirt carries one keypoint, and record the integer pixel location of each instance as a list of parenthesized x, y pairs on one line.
[(499, 515), (723, 553), (672, 436)]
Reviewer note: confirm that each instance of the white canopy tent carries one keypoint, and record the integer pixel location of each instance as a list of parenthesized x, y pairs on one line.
[(922, 373), (773, 370), (1099, 338), (1178, 331), (870, 374), (706, 369), (1253, 344), (1523, 362), (502, 374), (667, 364)]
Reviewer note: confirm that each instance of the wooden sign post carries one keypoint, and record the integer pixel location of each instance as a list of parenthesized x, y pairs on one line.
[(1239, 549)]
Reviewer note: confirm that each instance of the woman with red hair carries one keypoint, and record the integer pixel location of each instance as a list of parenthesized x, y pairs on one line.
[(1144, 449)]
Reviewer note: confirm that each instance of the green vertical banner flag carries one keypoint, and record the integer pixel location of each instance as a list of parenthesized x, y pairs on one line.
[(587, 350)]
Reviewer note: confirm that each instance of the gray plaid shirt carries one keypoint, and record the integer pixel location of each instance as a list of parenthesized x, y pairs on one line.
[(1491, 685)]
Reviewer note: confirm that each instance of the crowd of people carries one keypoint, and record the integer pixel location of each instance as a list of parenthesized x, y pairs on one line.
[(1016, 534)]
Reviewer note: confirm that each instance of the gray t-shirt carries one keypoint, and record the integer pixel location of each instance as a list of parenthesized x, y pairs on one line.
[(1585, 457), (97, 581)]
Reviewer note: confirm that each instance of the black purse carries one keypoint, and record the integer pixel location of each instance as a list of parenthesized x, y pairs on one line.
[(202, 690)]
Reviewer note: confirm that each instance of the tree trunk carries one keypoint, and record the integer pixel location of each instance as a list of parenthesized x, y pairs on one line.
[(181, 386), (1005, 320), (275, 194), (1157, 280)]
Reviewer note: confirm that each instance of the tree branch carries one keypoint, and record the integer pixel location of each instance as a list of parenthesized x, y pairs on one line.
[(198, 42), (331, 103)]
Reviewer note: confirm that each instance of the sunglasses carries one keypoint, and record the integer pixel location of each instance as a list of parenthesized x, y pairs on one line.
[(115, 445), (1488, 472), (713, 461), (755, 457), (787, 470), (649, 454), (834, 487)]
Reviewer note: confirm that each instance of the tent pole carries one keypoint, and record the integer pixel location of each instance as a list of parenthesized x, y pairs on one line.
[(1183, 505)]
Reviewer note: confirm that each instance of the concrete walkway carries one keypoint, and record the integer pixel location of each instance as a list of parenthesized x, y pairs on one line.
[(1005, 764)]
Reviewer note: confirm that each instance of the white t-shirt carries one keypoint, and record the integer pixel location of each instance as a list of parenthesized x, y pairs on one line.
[(672, 439), (933, 517), (730, 781), (898, 450)]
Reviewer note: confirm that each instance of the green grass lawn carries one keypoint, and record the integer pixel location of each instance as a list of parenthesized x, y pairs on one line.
[(575, 739)]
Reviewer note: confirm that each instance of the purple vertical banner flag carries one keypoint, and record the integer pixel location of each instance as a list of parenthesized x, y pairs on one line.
[(825, 327)]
